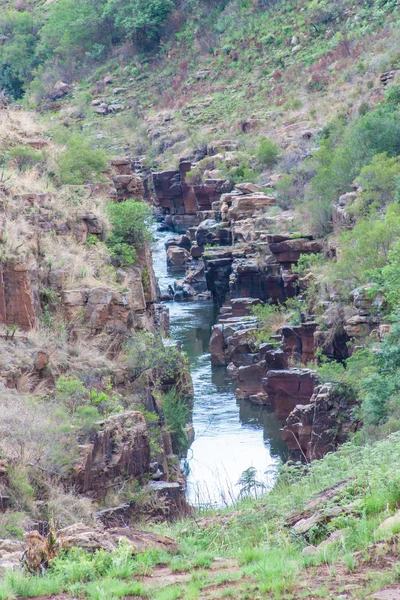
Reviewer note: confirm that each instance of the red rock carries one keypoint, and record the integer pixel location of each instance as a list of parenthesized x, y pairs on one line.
[(287, 388), (120, 449), (177, 257), (298, 341), (313, 430), (19, 299), (217, 346), (245, 206)]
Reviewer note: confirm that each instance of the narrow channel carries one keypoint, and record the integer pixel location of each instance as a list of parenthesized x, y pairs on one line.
[(230, 437)]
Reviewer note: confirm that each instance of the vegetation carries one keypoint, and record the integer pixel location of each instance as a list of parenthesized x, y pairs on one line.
[(129, 221), (269, 560)]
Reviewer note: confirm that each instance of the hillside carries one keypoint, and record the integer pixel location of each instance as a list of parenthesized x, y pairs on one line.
[(262, 138)]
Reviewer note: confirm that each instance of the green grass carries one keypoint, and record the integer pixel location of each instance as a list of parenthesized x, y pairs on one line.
[(268, 554)]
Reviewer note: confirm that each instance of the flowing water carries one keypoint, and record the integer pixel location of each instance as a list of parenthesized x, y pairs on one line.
[(230, 436)]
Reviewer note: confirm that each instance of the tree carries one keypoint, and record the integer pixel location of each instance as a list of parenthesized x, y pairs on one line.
[(141, 20), (19, 32), (80, 163), (73, 29)]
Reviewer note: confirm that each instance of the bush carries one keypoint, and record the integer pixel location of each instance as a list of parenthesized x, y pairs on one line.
[(378, 182), (17, 51), (129, 221), (80, 163), (148, 353), (176, 414), (24, 157), (141, 21), (343, 152), (365, 250), (267, 152)]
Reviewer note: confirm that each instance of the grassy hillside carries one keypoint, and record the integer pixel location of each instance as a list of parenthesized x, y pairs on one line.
[(316, 535)]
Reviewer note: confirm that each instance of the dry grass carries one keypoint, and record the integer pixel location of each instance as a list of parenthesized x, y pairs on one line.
[(17, 126)]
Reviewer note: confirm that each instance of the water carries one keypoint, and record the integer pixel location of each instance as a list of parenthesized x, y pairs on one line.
[(230, 436)]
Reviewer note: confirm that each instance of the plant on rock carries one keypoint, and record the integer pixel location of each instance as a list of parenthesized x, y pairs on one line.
[(129, 221)]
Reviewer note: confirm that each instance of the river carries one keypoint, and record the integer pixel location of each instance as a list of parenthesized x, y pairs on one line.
[(230, 436)]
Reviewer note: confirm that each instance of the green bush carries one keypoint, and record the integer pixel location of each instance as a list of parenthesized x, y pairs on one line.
[(176, 414), (141, 21), (24, 157), (129, 221), (80, 163), (19, 31), (365, 250), (267, 152), (343, 152), (378, 182)]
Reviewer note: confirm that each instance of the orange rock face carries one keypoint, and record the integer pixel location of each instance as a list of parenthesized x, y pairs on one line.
[(18, 300)]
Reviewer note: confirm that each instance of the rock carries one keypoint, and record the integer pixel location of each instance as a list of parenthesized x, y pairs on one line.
[(217, 346), (177, 257), (298, 341), (183, 241), (389, 525), (290, 250), (249, 188), (211, 232), (387, 594), (245, 206), (19, 296), (39, 550), (119, 449), (60, 89), (314, 429), (41, 360), (172, 494), (216, 146), (287, 388)]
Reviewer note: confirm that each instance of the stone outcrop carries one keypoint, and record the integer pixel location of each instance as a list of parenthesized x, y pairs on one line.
[(120, 449), (313, 430), (19, 296), (288, 388)]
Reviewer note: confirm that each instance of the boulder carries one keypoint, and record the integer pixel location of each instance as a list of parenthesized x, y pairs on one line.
[(247, 205), (298, 341), (182, 241), (221, 146), (19, 296), (249, 188), (289, 251), (177, 257)]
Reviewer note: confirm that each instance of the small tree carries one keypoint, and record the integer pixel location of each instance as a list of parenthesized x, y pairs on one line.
[(267, 152), (129, 221)]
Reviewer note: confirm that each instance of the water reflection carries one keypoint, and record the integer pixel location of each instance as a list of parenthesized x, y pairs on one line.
[(230, 437)]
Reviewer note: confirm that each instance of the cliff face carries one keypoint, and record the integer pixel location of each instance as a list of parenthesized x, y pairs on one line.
[(66, 314)]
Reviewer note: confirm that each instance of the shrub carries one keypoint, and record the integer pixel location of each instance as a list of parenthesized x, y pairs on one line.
[(80, 163), (24, 157), (378, 182), (148, 353), (365, 250), (267, 152), (129, 221), (142, 21), (342, 153), (176, 414)]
